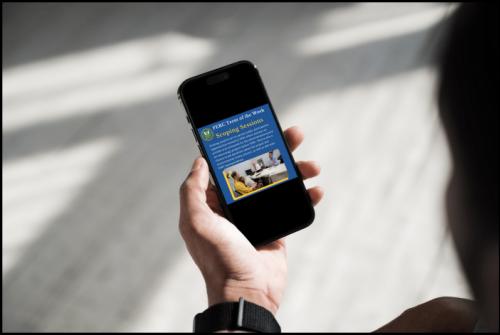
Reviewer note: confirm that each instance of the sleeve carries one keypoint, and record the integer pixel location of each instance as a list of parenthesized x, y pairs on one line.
[(242, 188)]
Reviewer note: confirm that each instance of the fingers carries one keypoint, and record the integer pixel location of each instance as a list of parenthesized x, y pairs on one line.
[(193, 189), (308, 169), (294, 136), (213, 200), (316, 194)]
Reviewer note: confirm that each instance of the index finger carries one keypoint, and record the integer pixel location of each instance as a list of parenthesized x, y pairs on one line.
[(294, 136)]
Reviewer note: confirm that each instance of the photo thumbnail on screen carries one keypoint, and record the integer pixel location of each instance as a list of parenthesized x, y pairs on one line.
[(256, 174)]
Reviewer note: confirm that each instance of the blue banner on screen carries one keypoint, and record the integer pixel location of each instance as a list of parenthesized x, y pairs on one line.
[(247, 153)]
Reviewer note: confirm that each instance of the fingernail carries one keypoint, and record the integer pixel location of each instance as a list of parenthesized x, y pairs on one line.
[(197, 164)]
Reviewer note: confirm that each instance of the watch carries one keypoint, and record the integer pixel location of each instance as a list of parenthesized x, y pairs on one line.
[(241, 315)]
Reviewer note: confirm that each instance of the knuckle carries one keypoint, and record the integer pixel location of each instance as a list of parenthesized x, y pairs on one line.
[(191, 225), (186, 186), (182, 188)]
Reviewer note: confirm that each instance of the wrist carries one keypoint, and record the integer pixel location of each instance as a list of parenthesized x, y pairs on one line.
[(231, 293)]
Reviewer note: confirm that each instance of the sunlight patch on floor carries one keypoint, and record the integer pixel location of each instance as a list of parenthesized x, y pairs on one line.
[(97, 80), (38, 188)]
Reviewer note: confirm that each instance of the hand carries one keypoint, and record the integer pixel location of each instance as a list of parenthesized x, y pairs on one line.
[(231, 266)]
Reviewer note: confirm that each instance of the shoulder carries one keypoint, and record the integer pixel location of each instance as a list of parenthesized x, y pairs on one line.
[(443, 314)]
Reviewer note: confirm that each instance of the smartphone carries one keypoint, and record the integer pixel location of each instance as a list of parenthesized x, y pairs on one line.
[(235, 126)]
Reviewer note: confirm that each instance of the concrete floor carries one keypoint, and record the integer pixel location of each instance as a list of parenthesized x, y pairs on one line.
[(95, 147)]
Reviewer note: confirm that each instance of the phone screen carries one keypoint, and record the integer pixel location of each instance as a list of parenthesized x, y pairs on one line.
[(247, 153), (233, 121)]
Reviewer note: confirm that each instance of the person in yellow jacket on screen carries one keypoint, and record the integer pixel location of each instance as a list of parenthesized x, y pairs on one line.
[(240, 186)]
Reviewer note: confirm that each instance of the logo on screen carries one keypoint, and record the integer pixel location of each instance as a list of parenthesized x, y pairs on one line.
[(207, 134)]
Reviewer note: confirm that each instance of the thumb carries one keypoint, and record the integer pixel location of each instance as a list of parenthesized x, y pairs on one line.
[(194, 187)]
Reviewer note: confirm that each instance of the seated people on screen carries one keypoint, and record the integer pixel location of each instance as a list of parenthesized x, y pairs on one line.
[(240, 186), (274, 160), (248, 181)]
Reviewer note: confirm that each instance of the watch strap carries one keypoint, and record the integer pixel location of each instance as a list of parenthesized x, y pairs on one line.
[(241, 315)]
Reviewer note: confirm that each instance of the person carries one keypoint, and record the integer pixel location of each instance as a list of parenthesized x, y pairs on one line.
[(231, 180), (239, 184), (468, 105), (256, 166), (248, 181), (273, 160)]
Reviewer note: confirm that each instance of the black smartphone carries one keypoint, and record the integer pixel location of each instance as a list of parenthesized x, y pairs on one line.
[(234, 124)]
